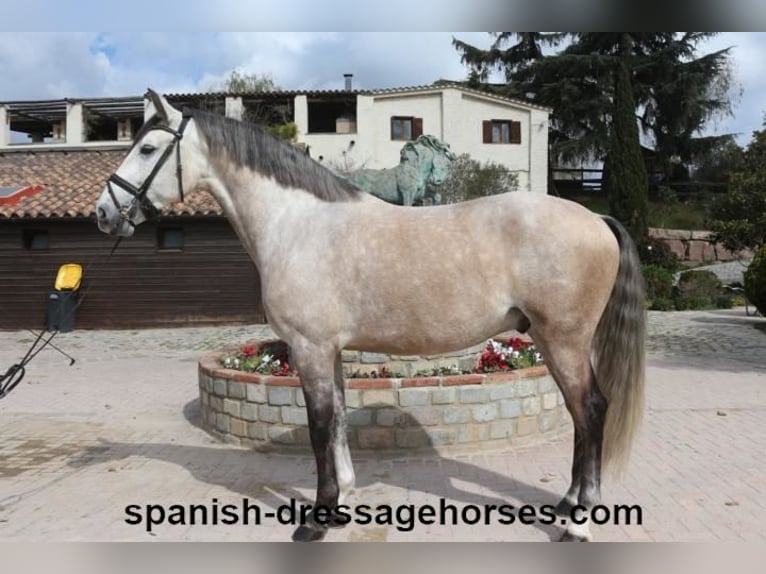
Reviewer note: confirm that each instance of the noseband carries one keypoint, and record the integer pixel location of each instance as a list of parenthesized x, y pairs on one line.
[(140, 199)]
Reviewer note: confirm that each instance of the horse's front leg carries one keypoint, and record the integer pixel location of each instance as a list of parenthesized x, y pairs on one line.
[(317, 374), (344, 469)]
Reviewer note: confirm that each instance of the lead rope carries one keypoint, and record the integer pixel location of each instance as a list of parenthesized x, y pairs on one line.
[(15, 373)]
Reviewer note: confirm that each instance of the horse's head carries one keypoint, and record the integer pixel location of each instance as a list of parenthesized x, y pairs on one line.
[(150, 177)]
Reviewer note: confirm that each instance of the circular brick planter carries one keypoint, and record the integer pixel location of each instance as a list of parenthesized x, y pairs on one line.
[(262, 411)]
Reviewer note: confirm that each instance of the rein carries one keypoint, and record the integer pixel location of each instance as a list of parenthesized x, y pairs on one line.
[(140, 198)]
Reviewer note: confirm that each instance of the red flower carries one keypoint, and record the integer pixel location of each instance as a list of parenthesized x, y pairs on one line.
[(283, 370), (518, 344), (249, 351)]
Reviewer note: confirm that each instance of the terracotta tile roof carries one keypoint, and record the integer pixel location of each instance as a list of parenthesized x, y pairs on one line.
[(72, 181), (436, 86)]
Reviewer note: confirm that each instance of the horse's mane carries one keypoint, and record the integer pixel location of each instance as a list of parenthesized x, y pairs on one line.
[(250, 145)]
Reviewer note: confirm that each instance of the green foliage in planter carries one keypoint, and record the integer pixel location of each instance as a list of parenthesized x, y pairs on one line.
[(659, 286), (697, 290), (755, 281)]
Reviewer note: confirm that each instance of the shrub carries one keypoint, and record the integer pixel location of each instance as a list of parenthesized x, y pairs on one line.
[(469, 179), (652, 251), (663, 304), (659, 285), (725, 302), (287, 131), (738, 301), (755, 281), (697, 289)]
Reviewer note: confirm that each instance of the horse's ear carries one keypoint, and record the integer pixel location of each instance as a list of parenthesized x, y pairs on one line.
[(159, 105)]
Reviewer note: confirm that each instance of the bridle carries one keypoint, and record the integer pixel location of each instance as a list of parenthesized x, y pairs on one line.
[(140, 199)]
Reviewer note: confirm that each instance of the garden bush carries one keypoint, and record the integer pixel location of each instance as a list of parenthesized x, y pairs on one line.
[(725, 301), (659, 286), (697, 290), (755, 281), (652, 251), (469, 178), (663, 304)]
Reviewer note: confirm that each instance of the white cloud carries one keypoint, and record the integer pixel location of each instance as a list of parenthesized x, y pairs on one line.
[(42, 66), (748, 95)]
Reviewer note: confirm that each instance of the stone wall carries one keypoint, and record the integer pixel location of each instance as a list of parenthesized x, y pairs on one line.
[(695, 246), (400, 413), (409, 365)]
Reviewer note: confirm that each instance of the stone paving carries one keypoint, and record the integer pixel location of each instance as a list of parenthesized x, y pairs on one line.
[(80, 444)]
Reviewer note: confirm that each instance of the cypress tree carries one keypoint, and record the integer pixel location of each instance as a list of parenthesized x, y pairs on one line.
[(626, 182)]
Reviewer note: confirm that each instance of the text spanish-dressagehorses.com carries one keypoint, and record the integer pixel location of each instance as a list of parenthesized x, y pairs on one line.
[(404, 517)]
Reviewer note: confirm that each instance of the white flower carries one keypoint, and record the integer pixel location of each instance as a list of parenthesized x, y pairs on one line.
[(266, 359), (538, 358), (515, 355)]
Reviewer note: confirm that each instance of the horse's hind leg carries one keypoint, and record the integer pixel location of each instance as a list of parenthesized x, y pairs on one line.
[(569, 364), (318, 380), (565, 505)]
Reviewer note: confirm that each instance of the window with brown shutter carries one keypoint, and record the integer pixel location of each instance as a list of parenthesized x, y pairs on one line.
[(515, 132), (417, 128), (501, 131), (406, 128)]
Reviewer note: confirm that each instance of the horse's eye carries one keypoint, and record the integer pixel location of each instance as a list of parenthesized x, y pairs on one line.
[(146, 149)]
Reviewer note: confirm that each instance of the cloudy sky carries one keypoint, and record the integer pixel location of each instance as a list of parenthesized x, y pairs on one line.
[(46, 65)]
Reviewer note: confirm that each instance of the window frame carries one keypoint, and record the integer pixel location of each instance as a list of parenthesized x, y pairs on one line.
[(513, 127), (416, 127)]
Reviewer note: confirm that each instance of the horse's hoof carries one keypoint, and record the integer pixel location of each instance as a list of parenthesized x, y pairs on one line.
[(569, 537), (307, 534), (563, 508)]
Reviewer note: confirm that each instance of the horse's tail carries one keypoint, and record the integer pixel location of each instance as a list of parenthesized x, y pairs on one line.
[(618, 349)]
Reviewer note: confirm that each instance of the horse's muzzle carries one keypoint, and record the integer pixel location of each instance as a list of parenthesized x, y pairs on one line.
[(111, 221)]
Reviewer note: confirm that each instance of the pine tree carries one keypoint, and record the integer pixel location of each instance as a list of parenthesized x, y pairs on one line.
[(675, 91)]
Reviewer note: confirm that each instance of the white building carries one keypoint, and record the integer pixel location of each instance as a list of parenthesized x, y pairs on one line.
[(346, 128)]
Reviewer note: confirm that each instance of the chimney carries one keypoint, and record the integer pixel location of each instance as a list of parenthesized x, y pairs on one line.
[(348, 81)]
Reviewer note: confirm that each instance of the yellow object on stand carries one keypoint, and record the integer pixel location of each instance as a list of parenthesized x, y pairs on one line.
[(68, 278)]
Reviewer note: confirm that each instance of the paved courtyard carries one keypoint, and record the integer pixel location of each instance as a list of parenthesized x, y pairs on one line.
[(80, 444)]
